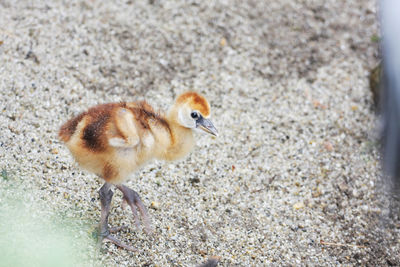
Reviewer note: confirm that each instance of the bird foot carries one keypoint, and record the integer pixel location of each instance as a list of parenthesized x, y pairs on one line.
[(104, 232), (107, 237), (135, 203), (112, 239)]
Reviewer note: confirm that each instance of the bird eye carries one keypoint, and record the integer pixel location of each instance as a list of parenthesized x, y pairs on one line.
[(194, 115)]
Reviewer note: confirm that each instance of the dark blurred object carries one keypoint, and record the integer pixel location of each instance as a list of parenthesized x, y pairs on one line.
[(390, 103), (375, 78), (211, 262)]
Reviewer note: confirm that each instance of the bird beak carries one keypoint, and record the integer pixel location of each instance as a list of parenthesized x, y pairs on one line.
[(206, 125)]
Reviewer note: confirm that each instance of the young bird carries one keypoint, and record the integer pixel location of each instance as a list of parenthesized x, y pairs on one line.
[(114, 140)]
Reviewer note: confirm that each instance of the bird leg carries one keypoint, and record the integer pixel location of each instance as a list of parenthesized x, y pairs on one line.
[(104, 232), (135, 203)]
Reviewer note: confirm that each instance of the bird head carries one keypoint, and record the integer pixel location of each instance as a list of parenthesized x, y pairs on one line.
[(192, 111)]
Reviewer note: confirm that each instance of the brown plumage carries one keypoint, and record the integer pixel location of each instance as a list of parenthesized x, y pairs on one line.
[(197, 102), (113, 140)]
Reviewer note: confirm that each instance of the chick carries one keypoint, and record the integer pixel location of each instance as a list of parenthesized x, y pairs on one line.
[(114, 140)]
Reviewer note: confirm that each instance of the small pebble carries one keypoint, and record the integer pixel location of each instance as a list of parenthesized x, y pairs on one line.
[(298, 205), (155, 205)]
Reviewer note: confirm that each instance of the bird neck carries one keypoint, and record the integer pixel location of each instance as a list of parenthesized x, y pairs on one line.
[(181, 141)]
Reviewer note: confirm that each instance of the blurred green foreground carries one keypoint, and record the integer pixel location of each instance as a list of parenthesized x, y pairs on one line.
[(33, 234)]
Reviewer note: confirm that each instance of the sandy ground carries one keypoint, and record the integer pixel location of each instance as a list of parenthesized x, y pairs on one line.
[(293, 178)]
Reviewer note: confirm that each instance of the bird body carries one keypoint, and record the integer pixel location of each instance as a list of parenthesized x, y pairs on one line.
[(114, 140)]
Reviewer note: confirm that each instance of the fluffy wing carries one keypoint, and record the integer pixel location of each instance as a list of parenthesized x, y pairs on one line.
[(126, 134)]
